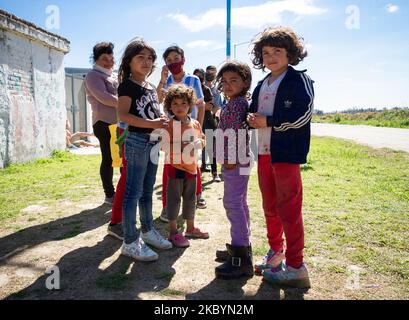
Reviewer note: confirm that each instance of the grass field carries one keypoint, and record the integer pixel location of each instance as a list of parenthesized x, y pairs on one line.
[(356, 207), (47, 180), (356, 202), (387, 118)]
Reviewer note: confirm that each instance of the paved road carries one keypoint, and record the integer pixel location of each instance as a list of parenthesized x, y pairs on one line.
[(376, 137)]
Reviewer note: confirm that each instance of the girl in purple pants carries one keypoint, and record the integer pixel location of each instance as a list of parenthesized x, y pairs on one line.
[(234, 79)]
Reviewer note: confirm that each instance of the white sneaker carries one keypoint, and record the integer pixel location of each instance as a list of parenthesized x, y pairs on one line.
[(288, 276), (138, 250), (154, 238)]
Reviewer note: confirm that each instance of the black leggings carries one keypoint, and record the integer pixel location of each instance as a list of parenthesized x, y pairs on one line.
[(214, 163), (106, 171)]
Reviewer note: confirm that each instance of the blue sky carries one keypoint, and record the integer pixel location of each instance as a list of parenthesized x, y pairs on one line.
[(358, 56)]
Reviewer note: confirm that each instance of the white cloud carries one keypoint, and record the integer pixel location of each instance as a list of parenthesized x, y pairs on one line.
[(392, 8), (250, 17), (213, 45)]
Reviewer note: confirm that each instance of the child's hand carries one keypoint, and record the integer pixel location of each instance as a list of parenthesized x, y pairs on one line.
[(257, 120), (198, 144), (251, 120), (159, 123), (164, 74)]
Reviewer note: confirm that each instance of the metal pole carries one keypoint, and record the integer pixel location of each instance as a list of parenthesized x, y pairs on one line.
[(228, 30), (85, 109), (73, 108)]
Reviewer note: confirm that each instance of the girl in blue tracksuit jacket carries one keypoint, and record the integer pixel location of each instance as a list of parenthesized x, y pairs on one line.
[(281, 111)]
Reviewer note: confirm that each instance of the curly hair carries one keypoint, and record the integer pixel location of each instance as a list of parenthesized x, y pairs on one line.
[(279, 37), (101, 48), (179, 91), (241, 68), (133, 49)]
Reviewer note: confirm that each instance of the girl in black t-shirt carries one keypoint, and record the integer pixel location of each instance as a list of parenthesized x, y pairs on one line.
[(138, 107)]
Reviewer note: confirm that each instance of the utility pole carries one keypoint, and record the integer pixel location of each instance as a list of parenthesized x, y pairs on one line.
[(228, 30)]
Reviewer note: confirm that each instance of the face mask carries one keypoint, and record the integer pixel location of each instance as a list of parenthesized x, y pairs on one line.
[(176, 68), (210, 77)]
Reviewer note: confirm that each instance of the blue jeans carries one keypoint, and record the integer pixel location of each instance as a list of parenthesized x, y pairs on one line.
[(140, 179)]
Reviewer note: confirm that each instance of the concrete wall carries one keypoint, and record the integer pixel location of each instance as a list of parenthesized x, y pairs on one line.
[(32, 92)]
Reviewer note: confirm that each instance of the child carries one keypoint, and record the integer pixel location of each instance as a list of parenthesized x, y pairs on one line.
[(115, 226), (138, 107), (174, 57), (183, 138), (235, 80), (281, 110)]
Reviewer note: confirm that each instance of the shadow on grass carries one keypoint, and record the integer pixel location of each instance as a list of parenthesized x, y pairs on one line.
[(220, 289), (267, 291), (60, 229), (85, 273), (232, 289), (93, 272)]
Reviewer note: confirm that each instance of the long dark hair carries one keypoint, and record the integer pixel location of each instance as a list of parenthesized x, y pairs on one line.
[(133, 49), (241, 68)]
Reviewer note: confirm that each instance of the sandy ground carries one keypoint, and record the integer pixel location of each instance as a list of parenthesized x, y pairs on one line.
[(73, 237)]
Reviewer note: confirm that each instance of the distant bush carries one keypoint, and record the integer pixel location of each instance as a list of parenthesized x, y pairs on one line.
[(396, 117)]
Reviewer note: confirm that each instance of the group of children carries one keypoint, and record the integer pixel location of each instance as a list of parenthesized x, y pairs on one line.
[(280, 110)]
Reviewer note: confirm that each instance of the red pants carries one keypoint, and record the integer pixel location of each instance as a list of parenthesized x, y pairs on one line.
[(165, 183), (116, 216), (281, 190)]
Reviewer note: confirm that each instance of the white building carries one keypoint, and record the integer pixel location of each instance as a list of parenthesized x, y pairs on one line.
[(32, 91), (79, 112)]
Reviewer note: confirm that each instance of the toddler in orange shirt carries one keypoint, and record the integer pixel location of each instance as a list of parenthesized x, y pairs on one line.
[(182, 139)]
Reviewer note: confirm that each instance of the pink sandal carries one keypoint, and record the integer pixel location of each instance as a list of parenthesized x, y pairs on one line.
[(197, 234), (178, 240)]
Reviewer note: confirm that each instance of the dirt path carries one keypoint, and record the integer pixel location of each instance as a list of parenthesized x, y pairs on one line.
[(73, 237)]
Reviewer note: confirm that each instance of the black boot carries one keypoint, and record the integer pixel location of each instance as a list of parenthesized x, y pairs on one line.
[(222, 255), (239, 263)]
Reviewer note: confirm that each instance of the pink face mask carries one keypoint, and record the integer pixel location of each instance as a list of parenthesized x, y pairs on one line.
[(176, 68)]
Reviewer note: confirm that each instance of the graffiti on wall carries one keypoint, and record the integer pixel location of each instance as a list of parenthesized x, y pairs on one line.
[(20, 83)]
